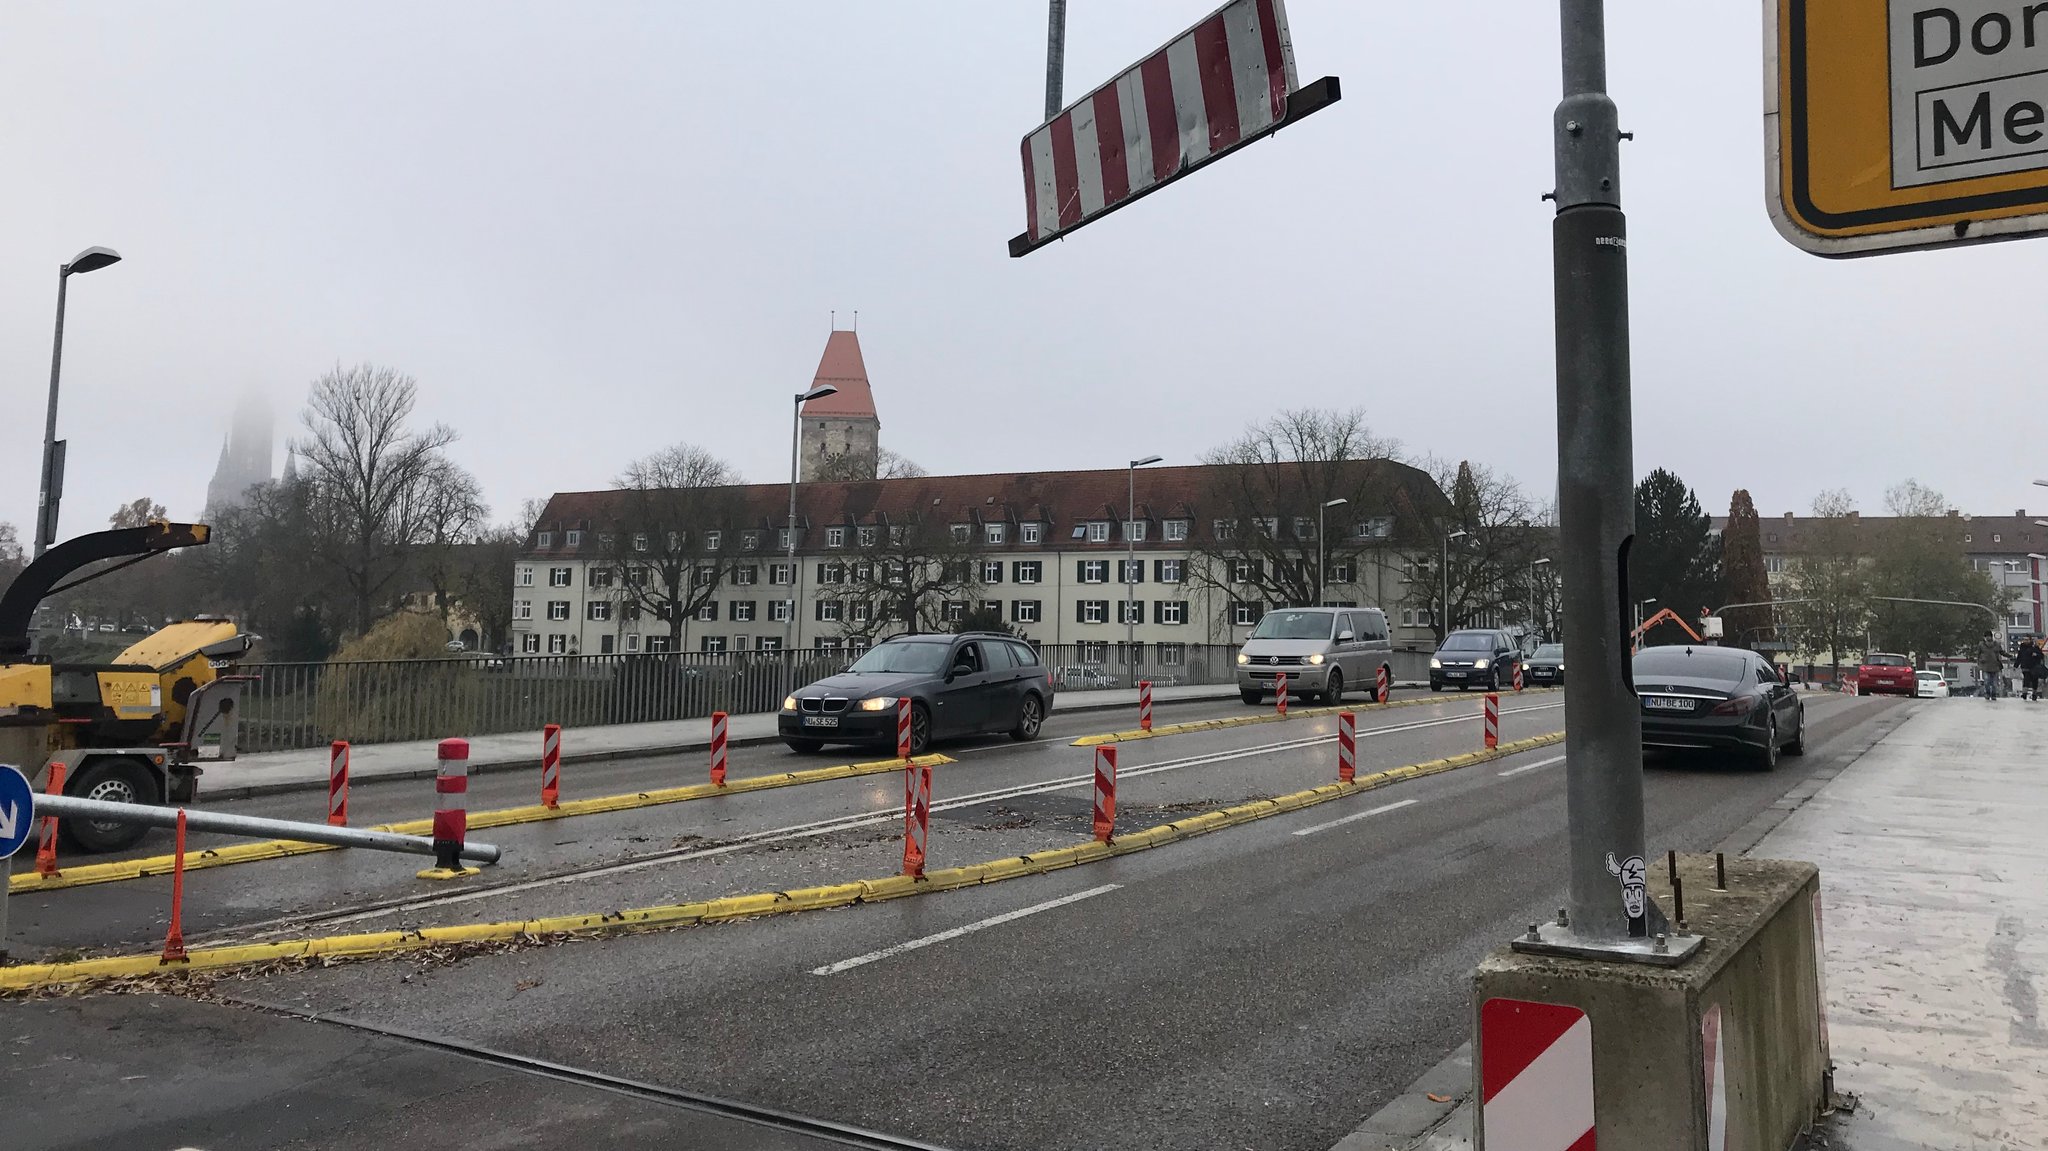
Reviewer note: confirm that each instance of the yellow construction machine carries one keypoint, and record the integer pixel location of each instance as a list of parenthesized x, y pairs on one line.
[(135, 730)]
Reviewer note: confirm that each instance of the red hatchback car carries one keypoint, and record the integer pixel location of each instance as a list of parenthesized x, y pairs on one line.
[(1882, 673)]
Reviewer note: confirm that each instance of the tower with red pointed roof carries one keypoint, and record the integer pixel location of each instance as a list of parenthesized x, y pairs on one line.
[(840, 434)]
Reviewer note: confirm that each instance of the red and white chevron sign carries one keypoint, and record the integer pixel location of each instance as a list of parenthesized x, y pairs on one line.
[(1535, 1076), (1211, 90)]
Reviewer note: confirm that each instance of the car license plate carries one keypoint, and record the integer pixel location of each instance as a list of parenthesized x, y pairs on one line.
[(821, 721), (1454, 675), (1667, 703)]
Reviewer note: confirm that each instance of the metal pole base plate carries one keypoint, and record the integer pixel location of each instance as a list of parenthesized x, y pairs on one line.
[(450, 872), (1550, 939)]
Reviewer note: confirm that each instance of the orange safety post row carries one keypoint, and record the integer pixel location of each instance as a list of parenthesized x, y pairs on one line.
[(1280, 698), (903, 727), (1144, 705), (1105, 792), (551, 765), (46, 847), (1383, 684), (337, 783), (1492, 721), (1347, 747), (719, 722)]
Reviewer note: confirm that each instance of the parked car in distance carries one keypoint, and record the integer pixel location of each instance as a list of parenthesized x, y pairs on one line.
[(1323, 651), (1931, 685), (1882, 673), (1545, 666), (958, 685), (1717, 699), (1474, 657), (1086, 676)]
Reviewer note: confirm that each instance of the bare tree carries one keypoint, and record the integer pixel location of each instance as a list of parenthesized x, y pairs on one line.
[(452, 516), (679, 518), (853, 466), (368, 472), (900, 576), (1488, 566), (1829, 573)]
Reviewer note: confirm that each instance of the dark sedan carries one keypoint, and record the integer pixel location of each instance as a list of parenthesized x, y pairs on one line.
[(1717, 699), (1545, 666), (970, 684)]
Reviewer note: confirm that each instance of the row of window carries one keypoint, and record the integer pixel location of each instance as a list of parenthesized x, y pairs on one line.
[(1093, 531), (834, 573), (1086, 651)]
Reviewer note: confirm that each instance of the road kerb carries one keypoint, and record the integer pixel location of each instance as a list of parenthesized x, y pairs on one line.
[(1159, 732), (84, 875), (35, 975)]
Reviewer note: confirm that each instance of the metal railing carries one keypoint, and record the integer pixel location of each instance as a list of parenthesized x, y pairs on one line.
[(287, 706)]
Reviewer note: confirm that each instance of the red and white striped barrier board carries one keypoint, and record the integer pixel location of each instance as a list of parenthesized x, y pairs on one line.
[(917, 818), (718, 727), (1492, 721), (46, 847), (1280, 692), (1714, 1066), (1214, 88), (1535, 1076), (174, 938), (1105, 793), (903, 727), (1347, 747), (337, 783), (551, 765), (1518, 679), (451, 803), (1383, 684), (1144, 705)]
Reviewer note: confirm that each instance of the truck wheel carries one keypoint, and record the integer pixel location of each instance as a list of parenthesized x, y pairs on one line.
[(117, 780)]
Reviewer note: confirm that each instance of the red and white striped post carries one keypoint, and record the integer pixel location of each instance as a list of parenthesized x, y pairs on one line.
[(1492, 721), (1105, 793), (551, 765), (1383, 684), (1280, 697), (174, 939), (903, 728), (46, 847), (1144, 705), (1518, 679), (337, 783), (1347, 747), (718, 726), (451, 811), (917, 818)]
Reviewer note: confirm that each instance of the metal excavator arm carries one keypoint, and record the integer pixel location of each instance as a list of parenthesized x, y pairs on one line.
[(39, 579)]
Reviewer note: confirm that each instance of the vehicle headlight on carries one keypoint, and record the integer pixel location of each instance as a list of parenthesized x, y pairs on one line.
[(1479, 664), (1560, 665), (1434, 662), (789, 703), (1315, 657), (1243, 659), (878, 703)]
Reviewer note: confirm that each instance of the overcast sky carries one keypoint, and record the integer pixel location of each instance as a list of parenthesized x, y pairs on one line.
[(593, 230)]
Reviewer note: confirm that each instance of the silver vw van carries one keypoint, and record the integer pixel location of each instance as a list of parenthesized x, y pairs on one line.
[(1324, 651)]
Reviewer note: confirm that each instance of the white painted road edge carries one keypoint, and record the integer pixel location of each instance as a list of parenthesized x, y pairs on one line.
[(968, 929), (1380, 810), (1532, 766)]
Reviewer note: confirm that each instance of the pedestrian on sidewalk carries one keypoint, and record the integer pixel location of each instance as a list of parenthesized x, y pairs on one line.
[(1990, 662), (2031, 661)]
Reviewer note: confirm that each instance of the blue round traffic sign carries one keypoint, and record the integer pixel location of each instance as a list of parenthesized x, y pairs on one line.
[(17, 809)]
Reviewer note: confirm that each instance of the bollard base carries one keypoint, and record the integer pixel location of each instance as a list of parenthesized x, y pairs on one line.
[(1551, 939), (450, 872)]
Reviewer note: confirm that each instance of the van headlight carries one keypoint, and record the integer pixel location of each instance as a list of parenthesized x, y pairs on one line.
[(1560, 665), (789, 703), (1243, 659), (878, 703), (1479, 665), (1315, 658), (1434, 662)]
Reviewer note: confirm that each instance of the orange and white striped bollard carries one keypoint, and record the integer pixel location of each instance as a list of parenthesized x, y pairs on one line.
[(903, 728), (1492, 721), (337, 783), (174, 938), (718, 728), (46, 847), (1105, 793), (1144, 705), (551, 765), (1518, 679), (1347, 747), (451, 810), (1383, 684), (1280, 697), (917, 817)]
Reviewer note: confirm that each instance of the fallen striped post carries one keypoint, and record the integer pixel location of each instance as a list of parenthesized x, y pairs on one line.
[(551, 765), (1492, 721), (1105, 793), (1347, 747), (718, 727), (337, 783)]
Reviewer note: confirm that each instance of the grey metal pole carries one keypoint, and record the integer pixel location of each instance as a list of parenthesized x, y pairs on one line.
[(1603, 724), (1322, 550), (796, 423), (255, 827), (45, 529), (1130, 558), (1443, 574), (1055, 55)]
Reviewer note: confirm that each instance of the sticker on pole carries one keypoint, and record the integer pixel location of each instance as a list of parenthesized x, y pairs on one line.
[(1905, 123), (17, 810), (1535, 1076)]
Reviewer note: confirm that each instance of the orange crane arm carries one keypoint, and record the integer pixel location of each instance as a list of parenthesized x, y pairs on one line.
[(1663, 614)]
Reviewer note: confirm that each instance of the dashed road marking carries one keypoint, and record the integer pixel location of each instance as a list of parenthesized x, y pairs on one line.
[(967, 929), (1380, 810), (1532, 766)]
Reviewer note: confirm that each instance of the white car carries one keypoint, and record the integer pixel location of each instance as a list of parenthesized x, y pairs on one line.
[(1930, 685)]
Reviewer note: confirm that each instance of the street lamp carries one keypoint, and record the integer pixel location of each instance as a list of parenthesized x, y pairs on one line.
[(1444, 575), (1640, 605), (1533, 565), (796, 424), (1130, 562), (1323, 548), (90, 260)]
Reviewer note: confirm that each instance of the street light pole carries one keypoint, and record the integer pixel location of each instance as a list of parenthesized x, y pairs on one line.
[(1444, 576), (796, 425), (1533, 565), (90, 260), (1055, 55), (1130, 560), (1322, 546)]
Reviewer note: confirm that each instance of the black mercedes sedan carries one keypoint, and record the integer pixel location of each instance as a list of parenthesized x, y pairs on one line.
[(971, 684), (1698, 698)]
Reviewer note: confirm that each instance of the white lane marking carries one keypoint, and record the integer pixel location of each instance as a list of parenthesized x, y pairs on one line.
[(1532, 766), (957, 932), (1380, 810), (828, 826)]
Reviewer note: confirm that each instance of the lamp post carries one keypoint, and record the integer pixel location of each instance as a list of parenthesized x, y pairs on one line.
[(795, 430), (90, 260), (1533, 565), (1444, 575), (1130, 559), (1640, 605), (1322, 546)]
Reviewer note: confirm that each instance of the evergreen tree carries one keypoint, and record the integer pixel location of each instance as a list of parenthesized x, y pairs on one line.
[(1675, 557), (1742, 566)]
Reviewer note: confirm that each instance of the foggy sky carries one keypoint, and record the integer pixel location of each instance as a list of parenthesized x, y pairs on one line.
[(593, 230)]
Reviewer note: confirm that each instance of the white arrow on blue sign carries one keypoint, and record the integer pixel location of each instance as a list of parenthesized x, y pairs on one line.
[(17, 810)]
